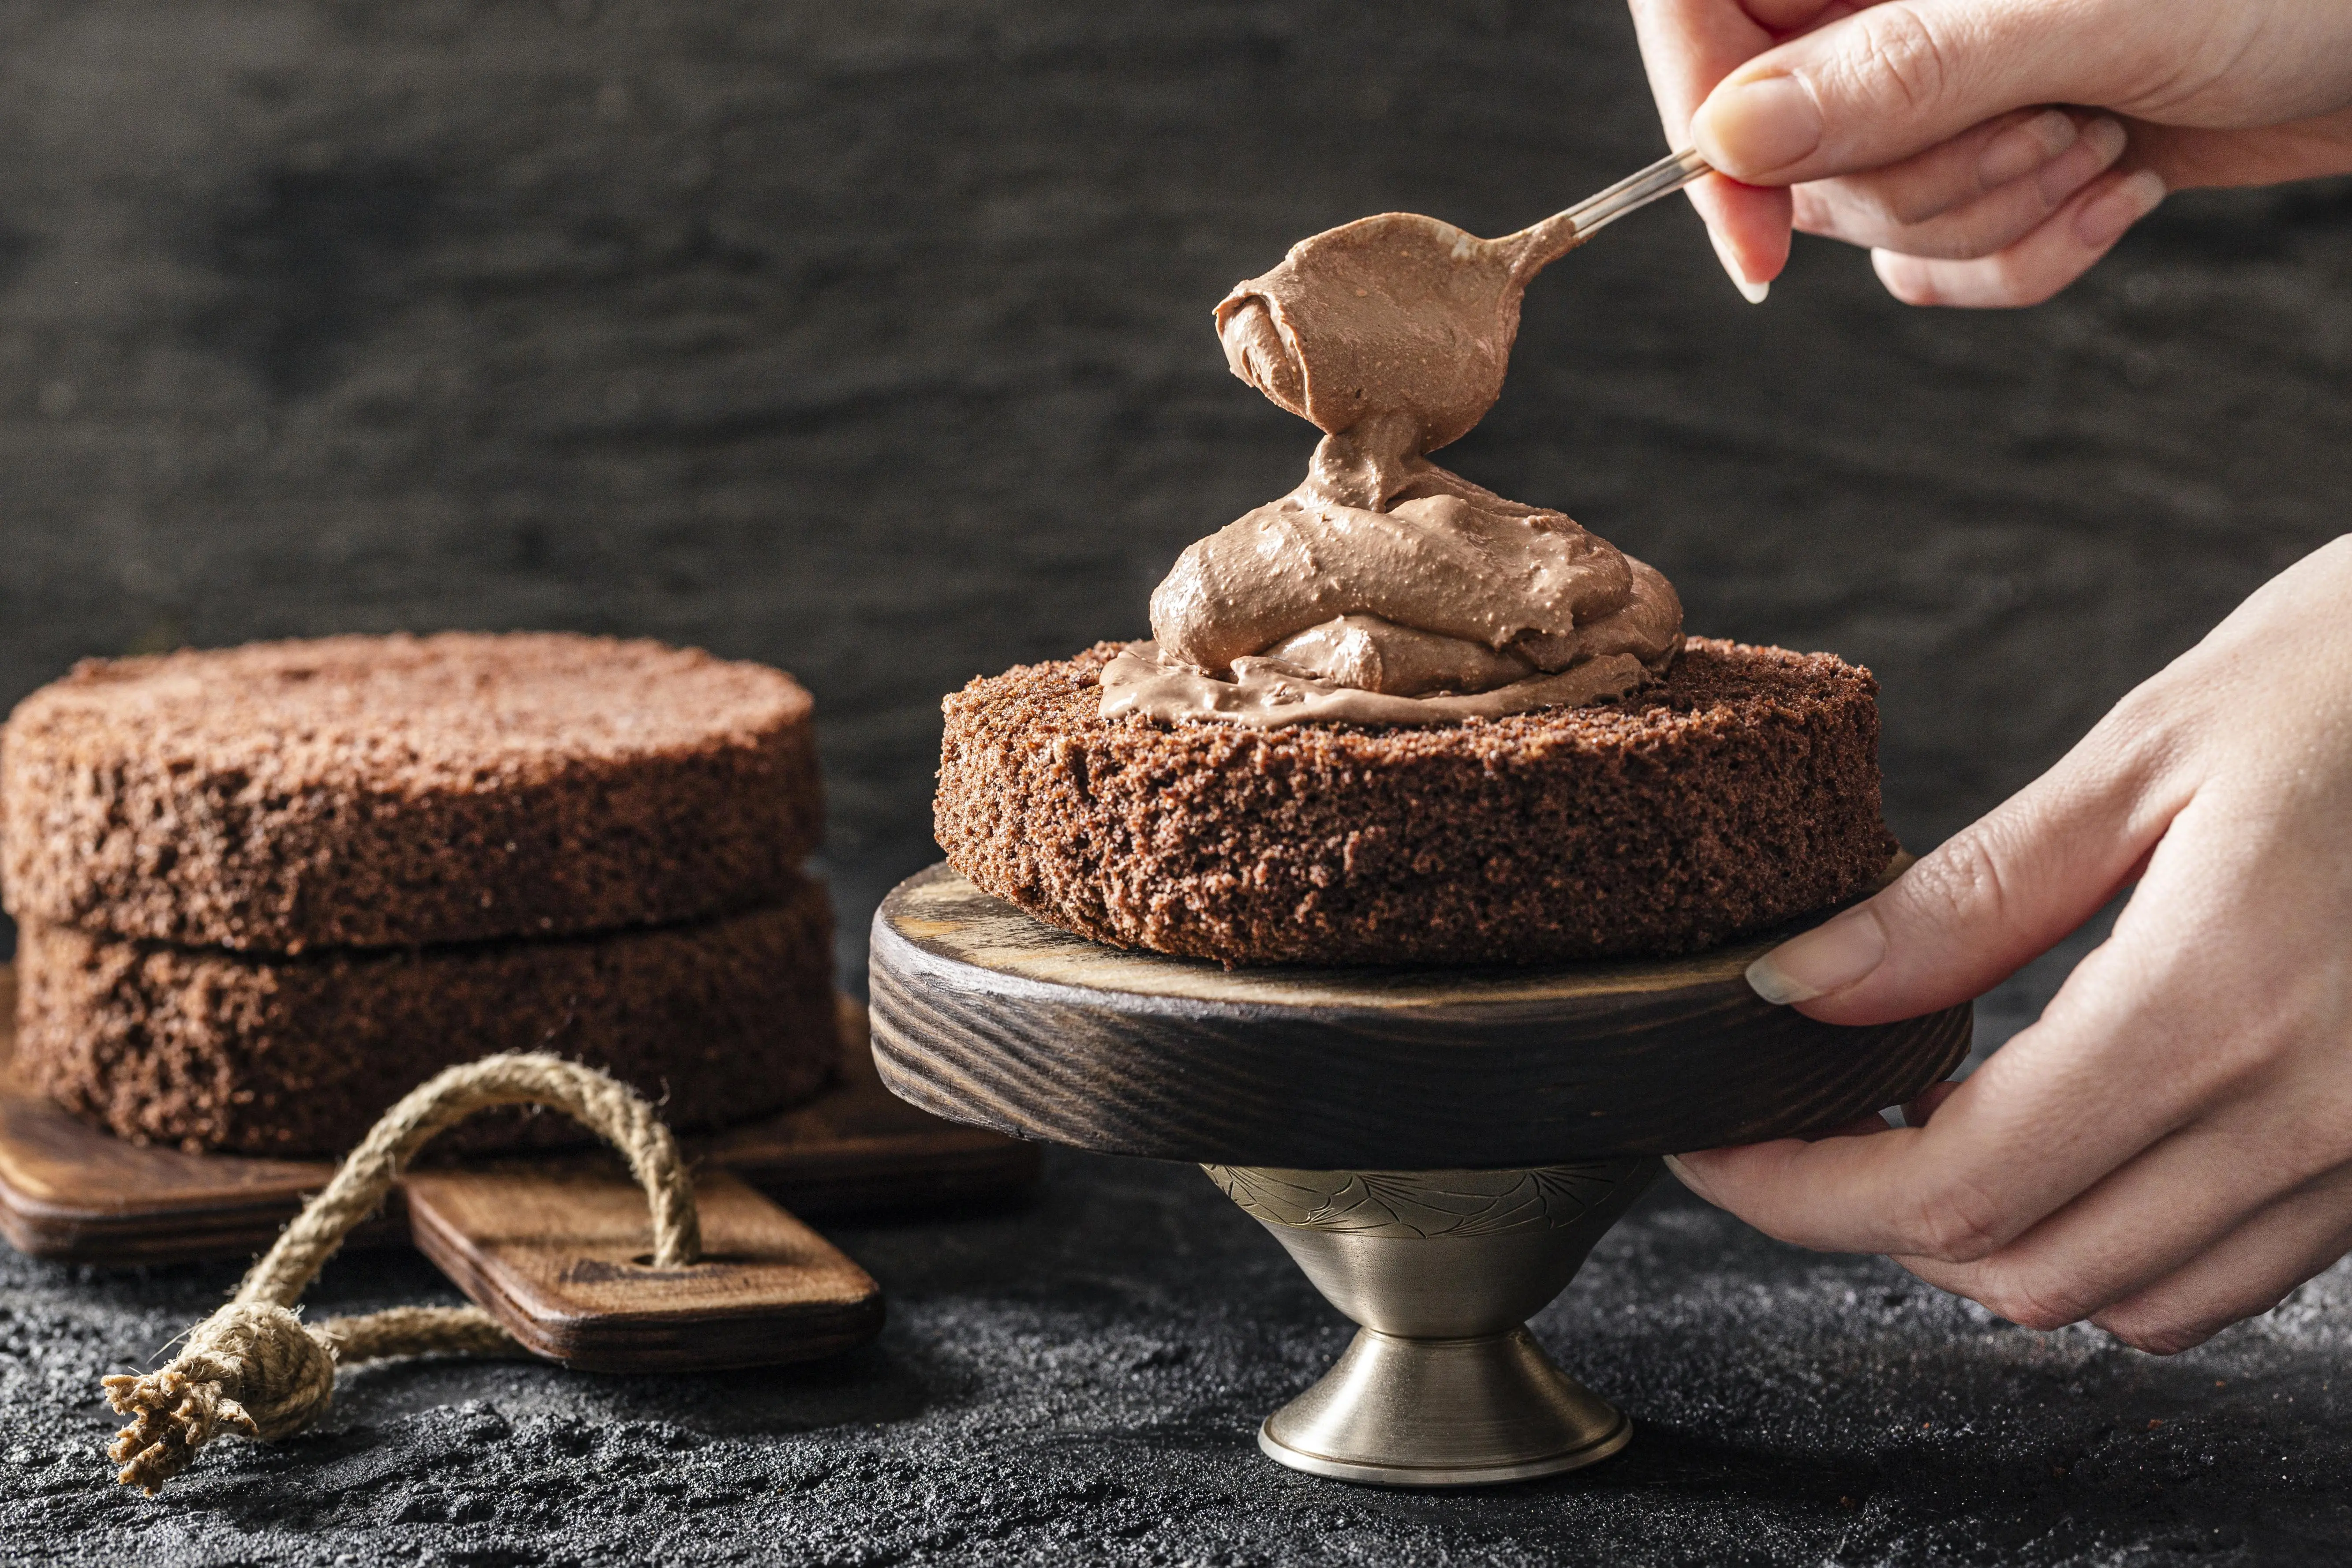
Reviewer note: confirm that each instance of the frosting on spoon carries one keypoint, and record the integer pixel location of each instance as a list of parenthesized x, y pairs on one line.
[(1384, 589)]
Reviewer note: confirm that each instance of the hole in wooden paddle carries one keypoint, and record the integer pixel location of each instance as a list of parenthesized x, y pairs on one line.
[(586, 1270)]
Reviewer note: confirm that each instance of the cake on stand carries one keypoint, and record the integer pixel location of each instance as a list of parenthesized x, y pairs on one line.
[(1438, 1150)]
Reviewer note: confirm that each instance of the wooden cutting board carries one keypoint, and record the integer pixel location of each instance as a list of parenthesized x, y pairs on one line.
[(71, 1192)]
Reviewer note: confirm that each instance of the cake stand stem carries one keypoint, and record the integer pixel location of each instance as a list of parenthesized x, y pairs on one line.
[(1443, 1386)]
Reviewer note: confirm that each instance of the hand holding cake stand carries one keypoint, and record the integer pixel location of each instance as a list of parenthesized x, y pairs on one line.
[(1438, 1150)]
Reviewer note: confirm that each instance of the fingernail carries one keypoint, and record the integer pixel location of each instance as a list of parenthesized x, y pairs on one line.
[(1907, 278), (2107, 137), (1753, 127), (1752, 293), (2021, 149), (1683, 1174), (2103, 142), (2103, 220), (1827, 958)]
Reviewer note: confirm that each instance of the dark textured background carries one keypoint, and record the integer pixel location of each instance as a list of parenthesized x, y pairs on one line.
[(872, 340)]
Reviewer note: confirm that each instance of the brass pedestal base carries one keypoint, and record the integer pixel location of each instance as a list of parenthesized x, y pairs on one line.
[(1444, 1386), (1397, 1412)]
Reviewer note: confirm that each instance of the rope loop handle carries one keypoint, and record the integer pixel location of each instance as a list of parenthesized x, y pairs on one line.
[(255, 1368)]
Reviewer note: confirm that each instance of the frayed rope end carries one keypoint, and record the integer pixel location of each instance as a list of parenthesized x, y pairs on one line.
[(171, 1417), (251, 1369)]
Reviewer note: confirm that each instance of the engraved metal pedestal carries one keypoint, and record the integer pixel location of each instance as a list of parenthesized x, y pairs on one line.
[(1444, 1386)]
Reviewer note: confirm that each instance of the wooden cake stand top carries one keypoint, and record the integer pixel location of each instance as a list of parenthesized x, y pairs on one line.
[(985, 1014)]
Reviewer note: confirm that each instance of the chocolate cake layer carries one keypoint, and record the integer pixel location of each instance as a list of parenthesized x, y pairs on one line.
[(718, 1021), (378, 791), (1738, 791)]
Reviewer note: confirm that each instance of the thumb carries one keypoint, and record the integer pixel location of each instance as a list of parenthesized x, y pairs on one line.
[(2000, 893), (1893, 79)]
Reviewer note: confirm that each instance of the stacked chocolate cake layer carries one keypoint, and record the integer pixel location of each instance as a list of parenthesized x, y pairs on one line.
[(1738, 791), (264, 891)]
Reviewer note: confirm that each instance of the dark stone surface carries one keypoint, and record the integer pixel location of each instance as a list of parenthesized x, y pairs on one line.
[(1080, 1382), (873, 340)]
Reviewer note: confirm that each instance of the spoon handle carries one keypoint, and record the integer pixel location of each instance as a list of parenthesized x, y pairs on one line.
[(1542, 244)]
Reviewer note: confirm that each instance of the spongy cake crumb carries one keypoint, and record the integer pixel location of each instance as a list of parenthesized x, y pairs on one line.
[(1740, 791), (377, 792)]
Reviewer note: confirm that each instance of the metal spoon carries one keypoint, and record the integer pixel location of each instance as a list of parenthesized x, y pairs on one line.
[(1540, 245)]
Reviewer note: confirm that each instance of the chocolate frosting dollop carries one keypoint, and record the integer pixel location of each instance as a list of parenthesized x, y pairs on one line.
[(1386, 589)]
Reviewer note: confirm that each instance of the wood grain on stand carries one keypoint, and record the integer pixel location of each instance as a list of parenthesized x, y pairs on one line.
[(987, 1015)]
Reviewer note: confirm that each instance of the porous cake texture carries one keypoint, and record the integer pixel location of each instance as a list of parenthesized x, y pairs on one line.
[(718, 1021), (380, 792), (1740, 791)]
